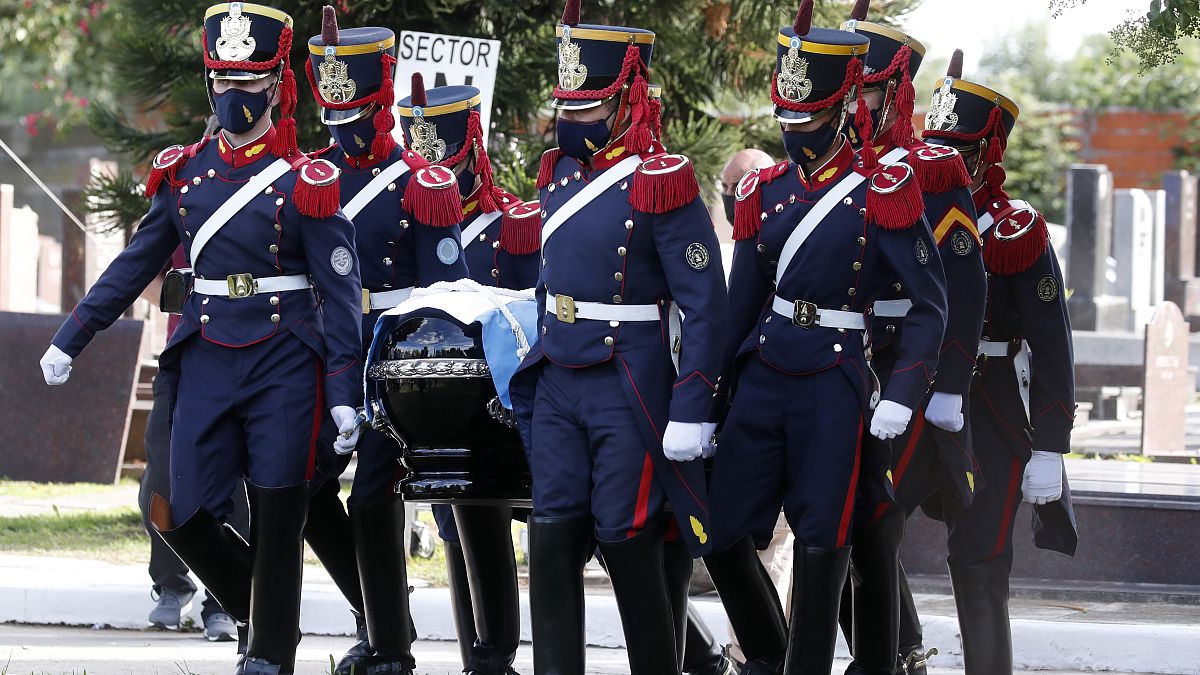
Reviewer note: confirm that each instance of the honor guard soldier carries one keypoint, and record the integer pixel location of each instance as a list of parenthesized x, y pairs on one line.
[(500, 238), (406, 214), (614, 425), (818, 239), (259, 359), (934, 453), (1023, 394)]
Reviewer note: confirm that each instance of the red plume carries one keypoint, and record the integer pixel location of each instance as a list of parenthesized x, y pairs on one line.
[(418, 91), (570, 15), (329, 28), (860, 10), (955, 68), (803, 23)]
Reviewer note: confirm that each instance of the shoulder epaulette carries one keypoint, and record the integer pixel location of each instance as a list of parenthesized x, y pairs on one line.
[(664, 183), (504, 199), (317, 193), (1019, 237), (894, 197), (938, 168), (432, 192), (546, 166), (168, 162), (521, 228), (747, 211)]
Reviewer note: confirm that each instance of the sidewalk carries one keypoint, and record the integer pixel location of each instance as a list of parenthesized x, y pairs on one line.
[(1086, 636)]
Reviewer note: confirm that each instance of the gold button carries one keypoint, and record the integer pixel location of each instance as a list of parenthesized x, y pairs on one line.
[(204, 301), (404, 224), (273, 248), (578, 175), (182, 211), (761, 248), (624, 185), (184, 189), (278, 227), (617, 299), (862, 241), (762, 339), (391, 187), (550, 187), (274, 318), (279, 202), (563, 182), (845, 308), (375, 171), (852, 291), (614, 324), (897, 286), (387, 262), (212, 173), (495, 273), (495, 244), (779, 208), (203, 318), (483, 237), (621, 250), (196, 180), (837, 348), (269, 190), (847, 201), (629, 224), (856, 266), (619, 277), (274, 299), (608, 341)]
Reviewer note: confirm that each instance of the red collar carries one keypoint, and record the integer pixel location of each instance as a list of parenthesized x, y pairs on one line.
[(831, 171), (470, 203), (248, 153)]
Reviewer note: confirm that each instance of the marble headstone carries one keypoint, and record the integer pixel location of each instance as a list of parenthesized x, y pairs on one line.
[(1167, 389)]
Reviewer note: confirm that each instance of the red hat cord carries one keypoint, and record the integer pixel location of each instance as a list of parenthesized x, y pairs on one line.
[(489, 200)]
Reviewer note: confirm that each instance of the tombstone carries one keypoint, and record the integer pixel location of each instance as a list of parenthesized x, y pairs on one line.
[(1180, 284), (49, 275), (1167, 389), (1089, 234), (1137, 252), (74, 253)]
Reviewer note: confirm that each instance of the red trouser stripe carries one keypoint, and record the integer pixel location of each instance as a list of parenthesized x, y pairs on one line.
[(918, 426), (316, 427), (642, 507), (1010, 507), (848, 509)]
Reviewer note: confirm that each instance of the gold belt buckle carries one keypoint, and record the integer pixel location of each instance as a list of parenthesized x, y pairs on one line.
[(366, 301), (240, 285), (564, 306), (804, 314)]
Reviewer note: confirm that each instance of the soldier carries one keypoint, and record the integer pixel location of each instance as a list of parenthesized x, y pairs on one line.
[(932, 456), (500, 243), (406, 216), (258, 358), (1022, 398), (818, 239), (613, 424)]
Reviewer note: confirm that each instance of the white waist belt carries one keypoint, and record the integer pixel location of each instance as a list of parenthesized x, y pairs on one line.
[(808, 315), (568, 309), (373, 300), (994, 349), (245, 285), (892, 308)]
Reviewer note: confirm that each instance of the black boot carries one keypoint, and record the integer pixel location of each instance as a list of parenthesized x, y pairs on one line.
[(277, 518), (981, 595), (818, 575), (218, 556), (243, 632), (487, 549), (355, 660), (876, 597), (460, 598), (636, 568), (752, 605), (701, 653), (677, 566), (379, 549), (913, 656), (558, 550)]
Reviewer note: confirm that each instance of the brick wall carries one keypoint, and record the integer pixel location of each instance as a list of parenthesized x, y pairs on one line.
[(1136, 146)]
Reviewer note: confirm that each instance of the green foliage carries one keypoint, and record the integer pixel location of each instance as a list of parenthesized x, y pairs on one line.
[(1153, 38), (116, 201)]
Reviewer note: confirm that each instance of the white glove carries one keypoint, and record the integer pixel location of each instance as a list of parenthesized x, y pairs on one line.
[(56, 365), (945, 411), (708, 439), (890, 420), (684, 441), (348, 425), (1043, 477)]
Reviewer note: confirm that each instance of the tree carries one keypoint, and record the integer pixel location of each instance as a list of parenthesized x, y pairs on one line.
[(1153, 37), (711, 56)]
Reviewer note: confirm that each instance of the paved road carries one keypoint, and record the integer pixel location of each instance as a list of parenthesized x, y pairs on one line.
[(54, 650)]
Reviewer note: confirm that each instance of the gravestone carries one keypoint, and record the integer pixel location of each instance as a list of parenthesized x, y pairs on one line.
[(73, 432), (1089, 234), (1137, 252), (74, 253), (1180, 284), (1167, 389)]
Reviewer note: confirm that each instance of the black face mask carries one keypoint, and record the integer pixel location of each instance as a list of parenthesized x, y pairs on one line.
[(730, 203), (851, 129), (238, 111), (805, 146), (582, 140), (354, 138)]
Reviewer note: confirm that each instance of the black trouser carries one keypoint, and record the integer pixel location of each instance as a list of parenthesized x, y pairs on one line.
[(167, 571)]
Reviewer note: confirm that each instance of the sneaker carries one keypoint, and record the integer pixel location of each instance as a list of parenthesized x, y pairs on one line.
[(220, 627), (172, 605)]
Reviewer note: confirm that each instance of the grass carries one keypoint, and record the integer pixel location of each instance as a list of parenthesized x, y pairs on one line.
[(28, 490)]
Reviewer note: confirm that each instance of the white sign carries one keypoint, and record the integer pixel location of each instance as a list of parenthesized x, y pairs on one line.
[(448, 60)]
